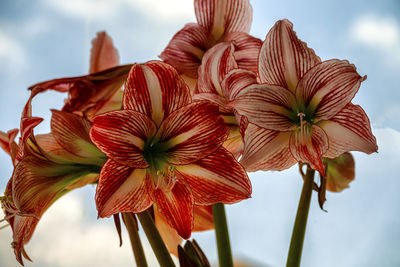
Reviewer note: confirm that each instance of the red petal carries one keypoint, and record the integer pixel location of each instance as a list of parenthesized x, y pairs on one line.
[(176, 205), (265, 105), (216, 63), (168, 234), (218, 178), (8, 144), (121, 135), (310, 147), (203, 218), (236, 81), (103, 54), (72, 133), (220, 17), (155, 89), (284, 59), (266, 150), (349, 130), (247, 50), (186, 49), (192, 132), (121, 189), (329, 87), (216, 99)]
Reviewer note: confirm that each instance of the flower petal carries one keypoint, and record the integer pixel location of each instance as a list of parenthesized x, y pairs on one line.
[(103, 54), (309, 146), (329, 87), (72, 133), (203, 218), (220, 17), (169, 235), (121, 135), (216, 99), (236, 80), (218, 178), (265, 105), (266, 150), (247, 50), (121, 189), (186, 49), (176, 205), (284, 58), (216, 63), (155, 89), (349, 130), (192, 132), (339, 172)]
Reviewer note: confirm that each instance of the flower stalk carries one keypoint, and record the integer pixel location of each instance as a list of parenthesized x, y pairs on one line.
[(222, 236), (137, 248), (155, 240), (299, 229)]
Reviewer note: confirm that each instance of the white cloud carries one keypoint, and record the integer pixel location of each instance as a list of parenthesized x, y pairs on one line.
[(12, 54)]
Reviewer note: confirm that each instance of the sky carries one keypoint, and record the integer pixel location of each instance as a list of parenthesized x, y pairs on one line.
[(45, 39)]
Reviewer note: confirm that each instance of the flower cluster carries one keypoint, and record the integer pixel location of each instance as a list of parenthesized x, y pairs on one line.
[(177, 136)]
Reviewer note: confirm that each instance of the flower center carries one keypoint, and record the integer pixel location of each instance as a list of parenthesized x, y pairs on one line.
[(305, 125)]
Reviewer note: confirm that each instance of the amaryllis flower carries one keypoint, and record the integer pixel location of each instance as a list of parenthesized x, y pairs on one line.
[(217, 21), (339, 172), (164, 149), (302, 111)]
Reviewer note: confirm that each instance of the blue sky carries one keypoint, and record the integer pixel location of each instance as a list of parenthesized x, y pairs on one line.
[(46, 39)]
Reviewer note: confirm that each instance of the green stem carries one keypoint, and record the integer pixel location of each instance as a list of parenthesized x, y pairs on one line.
[(299, 229), (137, 248), (222, 236), (160, 250)]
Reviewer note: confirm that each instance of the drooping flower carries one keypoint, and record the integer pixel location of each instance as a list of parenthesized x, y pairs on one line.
[(164, 149), (217, 21), (339, 172), (302, 111)]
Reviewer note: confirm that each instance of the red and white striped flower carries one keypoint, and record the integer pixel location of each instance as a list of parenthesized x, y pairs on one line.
[(164, 149), (217, 21), (302, 111)]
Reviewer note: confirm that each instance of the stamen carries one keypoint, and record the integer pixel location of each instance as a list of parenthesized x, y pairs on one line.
[(4, 226), (301, 115)]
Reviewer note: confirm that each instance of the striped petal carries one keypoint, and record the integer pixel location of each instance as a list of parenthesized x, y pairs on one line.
[(217, 62), (186, 49), (218, 178), (309, 146), (176, 205), (349, 130), (169, 235), (103, 54), (72, 133), (203, 218), (222, 16), (121, 135), (265, 105), (121, 189), (284, 58), (236, 80), (266, 150), (192, 132), (216, 99), (329, 87), (155, 89), (247, 50)]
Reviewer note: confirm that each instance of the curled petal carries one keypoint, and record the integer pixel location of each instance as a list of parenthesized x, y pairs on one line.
[(176, 205), (103, 54), (218, 178), (266, 150), (265, 105), (309, 145), (121, 189), (329, 87), (8, 144), (237, 80), (217, 62), (220, 17), (186, 49), (247, 50), (121, 135), (192, 132), (349, 130), (155, 89), (284, 58)]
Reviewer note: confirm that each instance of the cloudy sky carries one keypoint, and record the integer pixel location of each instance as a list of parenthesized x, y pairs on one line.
[(45, 39)]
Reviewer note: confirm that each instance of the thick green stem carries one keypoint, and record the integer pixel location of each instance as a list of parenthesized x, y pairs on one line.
[(299, 229), (137, 248), (222, 236), (160, 250)]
